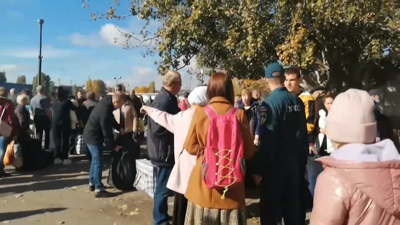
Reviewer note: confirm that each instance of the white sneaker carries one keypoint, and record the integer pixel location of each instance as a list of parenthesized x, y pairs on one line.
[(57, 161), (67, 162)]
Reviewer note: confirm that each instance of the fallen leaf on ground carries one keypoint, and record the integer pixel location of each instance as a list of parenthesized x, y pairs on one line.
[(119, 213), (124, 207), (137, 210), (133, 213), (60, 222), (19, 196), (5, 201), (22, 200)]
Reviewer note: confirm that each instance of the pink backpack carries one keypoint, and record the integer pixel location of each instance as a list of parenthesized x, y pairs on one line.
[(224, 165)]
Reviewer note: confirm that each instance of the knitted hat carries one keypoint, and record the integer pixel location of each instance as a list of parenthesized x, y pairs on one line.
[(274, 70), (351, 118)]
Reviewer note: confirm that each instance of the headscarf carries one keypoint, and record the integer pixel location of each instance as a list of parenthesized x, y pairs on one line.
[(198, 96)]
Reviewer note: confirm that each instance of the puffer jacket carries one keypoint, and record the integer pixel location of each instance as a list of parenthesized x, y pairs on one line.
[(360, 185)]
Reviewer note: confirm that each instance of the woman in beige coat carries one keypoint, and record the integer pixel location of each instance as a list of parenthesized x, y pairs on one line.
[(184, 162)]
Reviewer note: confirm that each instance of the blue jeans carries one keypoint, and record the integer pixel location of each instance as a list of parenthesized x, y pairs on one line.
[(3, 149), (160, 208), (95, 173), (313, 170)]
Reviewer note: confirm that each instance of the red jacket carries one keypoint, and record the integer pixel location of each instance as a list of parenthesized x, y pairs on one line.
[(9, 116)]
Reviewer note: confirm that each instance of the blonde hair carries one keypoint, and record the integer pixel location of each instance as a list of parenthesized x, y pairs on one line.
[(171, 78), (23, 98), (246, 91)]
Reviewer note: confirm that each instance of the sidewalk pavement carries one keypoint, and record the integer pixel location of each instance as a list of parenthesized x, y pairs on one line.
[(59, 195)]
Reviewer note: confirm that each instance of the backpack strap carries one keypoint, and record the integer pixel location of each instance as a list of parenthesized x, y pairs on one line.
[(233, 110), (210, 112)]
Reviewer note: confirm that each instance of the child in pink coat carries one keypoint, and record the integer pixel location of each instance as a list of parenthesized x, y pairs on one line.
[(360, 183)]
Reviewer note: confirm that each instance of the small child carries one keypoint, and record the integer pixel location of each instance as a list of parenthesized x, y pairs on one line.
[(252, 108)]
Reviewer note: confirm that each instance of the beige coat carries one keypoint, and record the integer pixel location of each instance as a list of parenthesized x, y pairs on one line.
[(177, 124), (129, 113)]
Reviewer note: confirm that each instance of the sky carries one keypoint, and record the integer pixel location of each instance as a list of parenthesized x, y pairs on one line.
[(74, 45)]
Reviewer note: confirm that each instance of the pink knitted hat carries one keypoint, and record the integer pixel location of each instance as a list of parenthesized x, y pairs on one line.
[(351, 118)]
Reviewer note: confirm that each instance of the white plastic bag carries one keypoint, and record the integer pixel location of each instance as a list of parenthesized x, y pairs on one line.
[(18, 159)]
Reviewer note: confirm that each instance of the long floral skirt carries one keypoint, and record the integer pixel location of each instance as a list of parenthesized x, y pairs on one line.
[(197, 215)]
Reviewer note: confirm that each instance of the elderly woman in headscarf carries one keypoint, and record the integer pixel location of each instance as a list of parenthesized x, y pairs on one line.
[(184, 162)]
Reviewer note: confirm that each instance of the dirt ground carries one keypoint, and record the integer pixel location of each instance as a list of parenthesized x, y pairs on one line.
[(59, 195)]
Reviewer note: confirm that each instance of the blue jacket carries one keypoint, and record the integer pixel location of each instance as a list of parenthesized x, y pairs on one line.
[(253, 116)]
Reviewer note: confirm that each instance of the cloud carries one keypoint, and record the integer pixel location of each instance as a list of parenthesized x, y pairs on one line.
[(141, 76), (110, 35), (47, 51), (14, 70), (85, 40)]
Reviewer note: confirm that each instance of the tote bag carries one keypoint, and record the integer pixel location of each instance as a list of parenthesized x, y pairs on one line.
[(5, 129)]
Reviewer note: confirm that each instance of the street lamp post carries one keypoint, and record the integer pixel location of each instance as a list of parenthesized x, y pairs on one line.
[(40, 21), (117, 79)]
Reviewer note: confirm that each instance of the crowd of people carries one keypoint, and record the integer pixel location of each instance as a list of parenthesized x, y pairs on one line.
[(334, 156)]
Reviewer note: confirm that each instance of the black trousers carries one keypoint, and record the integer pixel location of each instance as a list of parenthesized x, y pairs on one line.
[(180, 205), (282, 196), (60, 135), (42, 125), (72, 141)]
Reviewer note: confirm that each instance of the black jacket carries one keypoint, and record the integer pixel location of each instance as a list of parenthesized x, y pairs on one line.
[(160, 142), (99, 126), (86, 109)]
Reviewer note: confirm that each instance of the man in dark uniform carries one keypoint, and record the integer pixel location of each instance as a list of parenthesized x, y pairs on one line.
[(282, 153)]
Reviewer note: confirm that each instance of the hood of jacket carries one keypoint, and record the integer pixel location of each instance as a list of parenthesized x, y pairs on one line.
[(373, 169)]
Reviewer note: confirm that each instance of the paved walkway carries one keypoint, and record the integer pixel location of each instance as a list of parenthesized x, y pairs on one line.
[(59, 195)]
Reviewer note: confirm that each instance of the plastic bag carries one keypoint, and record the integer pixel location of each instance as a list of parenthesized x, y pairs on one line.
[(122, 173), (18, 158), (9, 155)]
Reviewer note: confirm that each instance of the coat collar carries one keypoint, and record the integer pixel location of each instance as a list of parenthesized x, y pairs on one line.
[(219, 99)]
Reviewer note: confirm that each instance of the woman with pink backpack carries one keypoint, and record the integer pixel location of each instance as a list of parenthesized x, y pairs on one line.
[(220, 137)]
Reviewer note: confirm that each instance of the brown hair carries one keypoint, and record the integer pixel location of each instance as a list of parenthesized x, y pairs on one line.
[(293, 70), (220, 85), (91, 95), (328, 95)]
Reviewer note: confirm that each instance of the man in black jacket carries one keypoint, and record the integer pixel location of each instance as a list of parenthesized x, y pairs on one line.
[(160, 144), (99, 130)]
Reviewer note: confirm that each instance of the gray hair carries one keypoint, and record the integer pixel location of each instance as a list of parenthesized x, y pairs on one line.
[(23, 98), (171, 77), (12, 91), (39, 89)]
